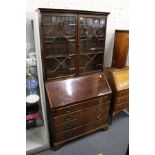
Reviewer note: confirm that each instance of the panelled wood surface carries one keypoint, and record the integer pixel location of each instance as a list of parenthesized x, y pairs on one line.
[(65, 92), (57, 145), (120, 49), (81, 105), (75, 115), (79, 130), (119, 82), (121, 79), (84, 119)]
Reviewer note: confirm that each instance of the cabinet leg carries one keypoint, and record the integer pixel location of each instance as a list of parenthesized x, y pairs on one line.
[(105, 128), (110, 119), (113, 114), (56, 146)]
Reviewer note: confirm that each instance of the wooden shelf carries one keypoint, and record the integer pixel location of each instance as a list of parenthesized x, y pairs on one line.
[(52, 37), (57, 25), (60, 55), (35, 138), (57, 72), (95, 49), (88, 53)]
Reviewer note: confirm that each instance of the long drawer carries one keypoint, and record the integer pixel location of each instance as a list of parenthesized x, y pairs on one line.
[(75, 115), (81, 105), (80, 130), (122, 106), (122, 99), (81, 121), (123, 93)]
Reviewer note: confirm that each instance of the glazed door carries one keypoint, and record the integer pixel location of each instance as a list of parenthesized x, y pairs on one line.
[(91, 43), (59, 45)]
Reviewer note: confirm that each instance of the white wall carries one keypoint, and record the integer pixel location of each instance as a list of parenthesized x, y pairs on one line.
[(118, 18)]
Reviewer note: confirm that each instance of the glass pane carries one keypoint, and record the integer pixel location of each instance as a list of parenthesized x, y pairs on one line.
[(36, 126), (92, 31), (60, 45)]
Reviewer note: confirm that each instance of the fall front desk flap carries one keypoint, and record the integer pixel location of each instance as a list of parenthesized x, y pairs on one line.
[(121, 78), (64, 92)]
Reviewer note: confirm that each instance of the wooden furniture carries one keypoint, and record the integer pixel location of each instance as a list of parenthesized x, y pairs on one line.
[(77, 106), (72, 51), (120, 49), (72, 42), (119, 82)]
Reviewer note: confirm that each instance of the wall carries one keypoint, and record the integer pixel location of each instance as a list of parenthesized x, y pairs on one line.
[(118, 18)]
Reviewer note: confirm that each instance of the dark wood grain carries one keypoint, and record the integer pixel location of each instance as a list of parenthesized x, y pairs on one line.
[(81, 105), (120, 49), (84, 119), (57, 145), (80, 129), (46, 10), (64, 92), (78, 94), (77, 114)]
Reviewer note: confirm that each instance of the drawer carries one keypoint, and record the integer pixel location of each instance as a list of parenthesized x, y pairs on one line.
[(77, 114), (81, 105), (81, 121), (122, 99), (123, 93), (122, 106), (80, 130)]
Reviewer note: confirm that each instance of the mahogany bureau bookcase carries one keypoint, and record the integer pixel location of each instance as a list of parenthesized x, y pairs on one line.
[(72, 51)]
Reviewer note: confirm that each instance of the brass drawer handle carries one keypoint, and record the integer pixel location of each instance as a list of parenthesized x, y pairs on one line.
[(67, 110), (100, 101), (99, 108), (67, 118), (98, 117), (69, 134), (68, 126)]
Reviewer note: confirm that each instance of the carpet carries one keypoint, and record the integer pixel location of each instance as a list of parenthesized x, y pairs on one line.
[(113, 141)]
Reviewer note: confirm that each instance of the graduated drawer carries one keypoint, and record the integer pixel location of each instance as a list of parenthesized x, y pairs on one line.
[(77, 114), (122, 105), (81, 105), (122, 99), (80, 130), (81, 121), (123, 93)]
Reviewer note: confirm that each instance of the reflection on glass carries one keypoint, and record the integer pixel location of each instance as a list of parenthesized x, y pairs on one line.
[(102, 22), (96, 22)]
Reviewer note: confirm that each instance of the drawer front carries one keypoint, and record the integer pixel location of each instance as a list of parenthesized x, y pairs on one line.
[(77, 114), (81, 121), (123, 93), (80, 130), (81, 105), (122, 106), (122, 99)]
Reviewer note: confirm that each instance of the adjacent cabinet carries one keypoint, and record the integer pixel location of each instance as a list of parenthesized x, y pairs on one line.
[(120, 49), (73, 42)]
